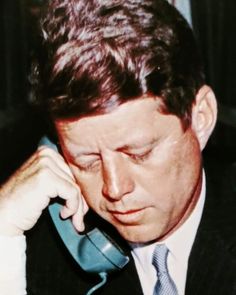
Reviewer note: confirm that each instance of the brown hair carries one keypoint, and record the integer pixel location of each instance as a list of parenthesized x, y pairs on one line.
[(102, 53)]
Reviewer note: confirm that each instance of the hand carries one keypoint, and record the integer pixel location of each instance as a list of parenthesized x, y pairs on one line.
[(28, 191)]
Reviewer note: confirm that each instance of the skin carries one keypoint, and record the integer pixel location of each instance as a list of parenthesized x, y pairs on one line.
[(44, 176), (136, 167)]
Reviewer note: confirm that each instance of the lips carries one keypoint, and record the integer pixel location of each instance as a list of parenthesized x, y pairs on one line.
[(129, 217)]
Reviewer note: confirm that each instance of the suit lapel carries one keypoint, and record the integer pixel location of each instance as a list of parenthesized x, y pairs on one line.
[(125, 282), (52, 270), (212, 262)]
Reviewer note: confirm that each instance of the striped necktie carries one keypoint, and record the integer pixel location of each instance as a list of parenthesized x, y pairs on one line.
[(164, 285)]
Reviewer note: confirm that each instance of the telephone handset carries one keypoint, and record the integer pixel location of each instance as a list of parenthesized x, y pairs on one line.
[(93, 251)]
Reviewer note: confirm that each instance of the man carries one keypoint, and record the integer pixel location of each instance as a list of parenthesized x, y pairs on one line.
[(123, 87)]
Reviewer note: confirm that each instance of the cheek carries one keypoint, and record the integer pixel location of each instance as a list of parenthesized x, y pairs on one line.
[(186, 172), (171, 176)]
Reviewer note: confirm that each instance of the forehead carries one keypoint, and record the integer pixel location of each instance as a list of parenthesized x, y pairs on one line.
[(132, 122)]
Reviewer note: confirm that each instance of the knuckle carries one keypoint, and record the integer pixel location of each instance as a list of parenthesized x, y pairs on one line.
[(43, 157), (44, 161), (45, 174), (73, 190), (43, 151)]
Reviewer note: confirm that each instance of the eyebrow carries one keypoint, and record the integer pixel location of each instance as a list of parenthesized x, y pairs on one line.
[(124, 147), (136, 145), (79, 154)]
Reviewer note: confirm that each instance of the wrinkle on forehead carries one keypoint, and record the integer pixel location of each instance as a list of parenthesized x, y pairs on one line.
[(134, 123), (129, 106)]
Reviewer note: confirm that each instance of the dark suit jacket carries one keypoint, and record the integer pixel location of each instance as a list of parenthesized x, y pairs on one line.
[(212, 262), (215, 26)]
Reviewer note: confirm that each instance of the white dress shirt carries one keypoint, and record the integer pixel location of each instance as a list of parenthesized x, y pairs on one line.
[(179, 245), (12, 265), (13, 257)]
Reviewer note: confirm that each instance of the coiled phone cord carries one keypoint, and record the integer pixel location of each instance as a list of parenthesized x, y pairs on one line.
[(103, 276)]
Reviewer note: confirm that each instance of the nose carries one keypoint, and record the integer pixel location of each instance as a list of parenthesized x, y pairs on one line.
[(117, 180)]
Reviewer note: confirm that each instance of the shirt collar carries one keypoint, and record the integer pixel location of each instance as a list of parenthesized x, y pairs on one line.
[(181, 241)]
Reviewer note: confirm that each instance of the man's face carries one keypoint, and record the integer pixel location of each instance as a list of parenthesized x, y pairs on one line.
[(136, 167)]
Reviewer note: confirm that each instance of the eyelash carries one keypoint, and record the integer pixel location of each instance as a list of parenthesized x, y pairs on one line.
[(89, 167), (135, 157), (140, 157)]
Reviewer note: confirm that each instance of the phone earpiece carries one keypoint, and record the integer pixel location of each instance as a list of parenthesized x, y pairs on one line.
[(46, 141)]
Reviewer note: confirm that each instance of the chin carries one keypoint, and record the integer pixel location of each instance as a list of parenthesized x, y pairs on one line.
[(138, 234)]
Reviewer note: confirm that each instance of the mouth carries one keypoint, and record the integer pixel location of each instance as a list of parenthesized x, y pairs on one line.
[(129, 217)]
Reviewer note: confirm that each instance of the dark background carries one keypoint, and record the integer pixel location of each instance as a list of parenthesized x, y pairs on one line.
[(214, 23)]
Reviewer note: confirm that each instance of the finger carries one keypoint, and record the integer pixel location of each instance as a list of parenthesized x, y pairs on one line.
[(54, 161), (56, 186), (72, 201), (78, 217), (57, 157)]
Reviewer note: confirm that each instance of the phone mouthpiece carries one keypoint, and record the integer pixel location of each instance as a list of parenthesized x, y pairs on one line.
[(94, 251)]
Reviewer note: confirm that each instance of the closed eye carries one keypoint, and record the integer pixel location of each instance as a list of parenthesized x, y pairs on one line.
[(139, 157), (91, 166)]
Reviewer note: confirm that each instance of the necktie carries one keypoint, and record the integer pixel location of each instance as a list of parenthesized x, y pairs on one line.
[(165, 285)]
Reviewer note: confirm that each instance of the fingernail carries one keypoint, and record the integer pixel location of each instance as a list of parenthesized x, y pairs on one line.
[(65, 213), (81, 227)]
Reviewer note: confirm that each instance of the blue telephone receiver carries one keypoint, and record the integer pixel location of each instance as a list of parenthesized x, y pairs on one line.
[(93, 251)]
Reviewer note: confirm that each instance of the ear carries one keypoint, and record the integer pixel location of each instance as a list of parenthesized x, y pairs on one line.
[(204, 114)]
